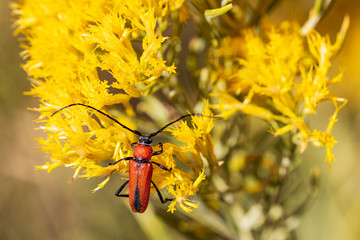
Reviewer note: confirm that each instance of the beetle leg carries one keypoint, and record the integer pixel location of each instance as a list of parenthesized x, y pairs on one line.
[(162, 167), (160, 151), (123, 159), (160, 196), (120, 189)]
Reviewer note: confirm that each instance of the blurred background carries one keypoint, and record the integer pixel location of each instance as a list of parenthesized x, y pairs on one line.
[(37, 205)]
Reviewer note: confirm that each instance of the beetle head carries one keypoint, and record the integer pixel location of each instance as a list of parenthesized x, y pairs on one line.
[(145, 140)]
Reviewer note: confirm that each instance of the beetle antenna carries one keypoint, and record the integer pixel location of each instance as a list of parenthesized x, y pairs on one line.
[(187, 115), (106, 115)]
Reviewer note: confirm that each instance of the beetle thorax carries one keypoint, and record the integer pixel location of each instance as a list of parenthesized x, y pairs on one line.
[(143, 152)]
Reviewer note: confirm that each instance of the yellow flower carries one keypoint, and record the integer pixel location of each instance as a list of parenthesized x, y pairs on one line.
[(280, 81), (181, 188), (184, 184), (197, 139), (71, 45)]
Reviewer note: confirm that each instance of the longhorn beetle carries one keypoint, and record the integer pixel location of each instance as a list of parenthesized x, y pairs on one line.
[(140, 167)]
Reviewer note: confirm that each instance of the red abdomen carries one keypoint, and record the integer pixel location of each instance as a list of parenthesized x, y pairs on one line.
[(140, 174)]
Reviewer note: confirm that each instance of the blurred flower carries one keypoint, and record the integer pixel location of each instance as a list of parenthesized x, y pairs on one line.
[(279, 80)]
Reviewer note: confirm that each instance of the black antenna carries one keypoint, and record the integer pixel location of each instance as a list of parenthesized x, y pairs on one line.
[(106, 115), (187, 115)]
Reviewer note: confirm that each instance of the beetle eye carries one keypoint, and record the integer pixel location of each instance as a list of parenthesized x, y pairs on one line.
[(148, 141)]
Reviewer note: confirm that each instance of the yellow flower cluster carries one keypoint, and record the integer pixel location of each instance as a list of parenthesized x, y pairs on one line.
[(198, 142), (70, 43), (277, 79), (103, 53)]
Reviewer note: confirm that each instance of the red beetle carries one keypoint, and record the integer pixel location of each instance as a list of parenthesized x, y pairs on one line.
[(140, 167)]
